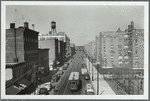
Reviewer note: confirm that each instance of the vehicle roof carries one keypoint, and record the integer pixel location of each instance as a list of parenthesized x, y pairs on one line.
[(89, 85), (74, 76), (90, 90)]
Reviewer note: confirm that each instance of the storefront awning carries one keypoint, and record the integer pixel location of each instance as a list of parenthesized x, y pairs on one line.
[(24, 83), (12, 90)]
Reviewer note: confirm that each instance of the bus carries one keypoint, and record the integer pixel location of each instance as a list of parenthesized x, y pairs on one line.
[(74, 81)]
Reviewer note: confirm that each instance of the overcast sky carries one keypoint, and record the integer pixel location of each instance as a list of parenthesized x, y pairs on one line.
[(80, 22)]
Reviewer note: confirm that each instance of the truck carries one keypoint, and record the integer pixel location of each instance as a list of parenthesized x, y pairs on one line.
[(84, 70)]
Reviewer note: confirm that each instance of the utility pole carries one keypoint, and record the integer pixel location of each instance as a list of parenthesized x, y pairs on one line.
[(22, 19), (92, 61), (16, 17), (97, 67), (34, 66)]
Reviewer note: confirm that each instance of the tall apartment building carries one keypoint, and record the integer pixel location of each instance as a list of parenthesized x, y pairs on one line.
[(123, 52), (109, 48), (136, 37), (21, 57), (98, 48)]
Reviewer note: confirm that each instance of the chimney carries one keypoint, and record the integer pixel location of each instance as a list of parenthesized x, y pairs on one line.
[(12, 25), (33, 26), (129, 27), (118, 30), (26, 25), (132, 25)]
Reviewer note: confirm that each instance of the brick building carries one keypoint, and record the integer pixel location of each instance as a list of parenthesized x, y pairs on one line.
[(21, 56), (43, 62)]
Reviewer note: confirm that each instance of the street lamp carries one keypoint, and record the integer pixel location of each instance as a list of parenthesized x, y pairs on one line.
[(97, 64), (92, 69)]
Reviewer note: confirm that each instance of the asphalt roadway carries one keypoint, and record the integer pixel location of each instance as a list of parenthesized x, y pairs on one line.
[(74, 66)]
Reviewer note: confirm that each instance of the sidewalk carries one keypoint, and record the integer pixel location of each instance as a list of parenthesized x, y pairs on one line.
[(104, 88)]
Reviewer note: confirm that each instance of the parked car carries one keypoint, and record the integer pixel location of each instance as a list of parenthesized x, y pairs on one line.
[(66, 64), (60, 71), (55, 78), (89, 89), (64, 67), (47, 85), (43, 91), (83, 64), (86, 76), (51, 68), (55, 69)]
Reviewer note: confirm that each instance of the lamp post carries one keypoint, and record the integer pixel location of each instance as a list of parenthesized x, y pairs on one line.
[(97, 64), (34, 68), (92, 69)]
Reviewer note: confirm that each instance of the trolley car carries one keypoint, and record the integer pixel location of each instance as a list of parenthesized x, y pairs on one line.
[(74, 81)]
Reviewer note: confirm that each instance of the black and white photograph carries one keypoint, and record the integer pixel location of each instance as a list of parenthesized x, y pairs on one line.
[(74, 50)]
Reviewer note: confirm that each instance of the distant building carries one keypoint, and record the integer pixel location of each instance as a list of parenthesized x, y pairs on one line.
[(52, 45), (72, 45), (59, 47), (21, 57)]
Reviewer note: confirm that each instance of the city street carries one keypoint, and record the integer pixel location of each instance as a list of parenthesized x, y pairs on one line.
[(75, 66)]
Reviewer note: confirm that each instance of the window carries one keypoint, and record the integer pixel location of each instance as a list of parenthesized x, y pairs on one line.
[(125, 36), (125, 47), (136, 57), (136, 40), (120, 57), (120, 62), (126, 57), (111, 46), (126, 63), (136, 51)]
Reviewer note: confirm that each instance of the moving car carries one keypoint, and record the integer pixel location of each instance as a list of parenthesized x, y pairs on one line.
[(86, 76), (74, 80), (89, 89), (83, 70), (83, 65)]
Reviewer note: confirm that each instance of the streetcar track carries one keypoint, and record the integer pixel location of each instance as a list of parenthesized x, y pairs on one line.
[(68, 80), (79, 70), (74, 70), (65, 76)]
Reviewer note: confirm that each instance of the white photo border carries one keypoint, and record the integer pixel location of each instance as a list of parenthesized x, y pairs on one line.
[(146, 49)]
